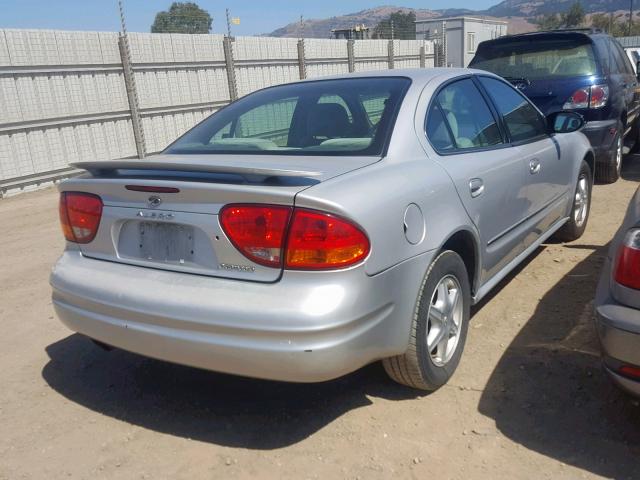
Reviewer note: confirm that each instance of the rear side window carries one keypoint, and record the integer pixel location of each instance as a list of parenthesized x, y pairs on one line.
[(437, 129), (461, 107), (522, 120), (620, 58)]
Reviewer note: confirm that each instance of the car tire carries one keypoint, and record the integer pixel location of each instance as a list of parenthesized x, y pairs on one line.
[(441, 313), (580, 208), (609, 171)]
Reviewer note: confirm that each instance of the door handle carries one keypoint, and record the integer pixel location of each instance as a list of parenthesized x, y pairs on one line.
[(534, 166), (476, 186)]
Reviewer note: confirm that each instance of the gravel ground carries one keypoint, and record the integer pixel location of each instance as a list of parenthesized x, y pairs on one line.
[(529, 399)]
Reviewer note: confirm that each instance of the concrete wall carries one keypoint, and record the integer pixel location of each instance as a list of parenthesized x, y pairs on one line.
[(63, 96)]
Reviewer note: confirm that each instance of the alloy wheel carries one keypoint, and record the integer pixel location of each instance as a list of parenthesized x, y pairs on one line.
[(581, 202), (444, 320)]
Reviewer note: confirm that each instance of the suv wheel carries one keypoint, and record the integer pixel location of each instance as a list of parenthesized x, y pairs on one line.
[(439, 327), (609, 172)]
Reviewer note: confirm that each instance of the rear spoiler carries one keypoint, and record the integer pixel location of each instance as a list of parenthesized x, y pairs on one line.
[(104, 167)]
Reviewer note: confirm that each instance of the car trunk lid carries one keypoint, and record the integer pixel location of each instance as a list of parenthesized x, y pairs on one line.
[(162, 212)]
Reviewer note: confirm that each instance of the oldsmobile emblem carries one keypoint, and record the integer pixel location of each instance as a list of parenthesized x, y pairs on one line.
[(154, 202)]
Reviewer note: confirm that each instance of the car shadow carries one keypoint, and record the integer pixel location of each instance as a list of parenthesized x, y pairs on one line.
[(207, 406), (548, 392)]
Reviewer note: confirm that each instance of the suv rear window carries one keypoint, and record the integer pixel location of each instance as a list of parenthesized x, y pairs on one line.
[(328, 117), (537, 58)]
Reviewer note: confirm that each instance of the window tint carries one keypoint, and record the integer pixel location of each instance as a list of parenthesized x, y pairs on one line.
[(437, 130), (523, 121), (542, 58), (467, 115), (327, 117)]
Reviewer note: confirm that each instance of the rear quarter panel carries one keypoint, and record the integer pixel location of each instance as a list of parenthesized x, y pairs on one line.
[(377, 196)]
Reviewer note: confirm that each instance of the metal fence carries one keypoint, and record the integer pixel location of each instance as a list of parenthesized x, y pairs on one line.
[(70, 96), (629, 42)]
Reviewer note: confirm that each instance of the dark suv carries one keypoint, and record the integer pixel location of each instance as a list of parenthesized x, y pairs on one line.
[(587, 72)]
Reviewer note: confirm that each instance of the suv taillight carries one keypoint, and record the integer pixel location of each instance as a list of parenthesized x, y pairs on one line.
[(627, 270), (80, 215), (300, 239), (595, 96)]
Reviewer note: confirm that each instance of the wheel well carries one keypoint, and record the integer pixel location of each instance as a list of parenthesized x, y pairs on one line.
[(591, 161), (464, 244)]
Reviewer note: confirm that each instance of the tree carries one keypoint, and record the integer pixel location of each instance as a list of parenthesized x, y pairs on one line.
[(616, 25), (574, 17), (550, 21), (182, 17), (400, 26)]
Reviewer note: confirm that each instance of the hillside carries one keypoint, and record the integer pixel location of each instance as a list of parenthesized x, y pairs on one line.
[(321, 28), (516, 12)]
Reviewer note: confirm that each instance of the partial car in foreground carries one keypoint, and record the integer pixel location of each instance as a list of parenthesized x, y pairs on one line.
[(583, 71), (617, 303), (309, 229)]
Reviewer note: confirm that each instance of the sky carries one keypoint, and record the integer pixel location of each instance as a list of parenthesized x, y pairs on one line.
[(256, 16)]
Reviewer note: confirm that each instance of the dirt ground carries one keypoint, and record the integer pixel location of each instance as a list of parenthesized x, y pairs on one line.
[(529, 399)]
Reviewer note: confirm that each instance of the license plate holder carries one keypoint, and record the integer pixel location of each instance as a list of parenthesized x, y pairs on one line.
[(166, 242)]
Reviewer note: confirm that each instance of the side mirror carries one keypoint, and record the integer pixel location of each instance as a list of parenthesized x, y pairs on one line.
[(638, 69), (564, 122)]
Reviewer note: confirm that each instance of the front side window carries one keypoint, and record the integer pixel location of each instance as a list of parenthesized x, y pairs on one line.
[(329, 117), (461, 108), (521, 118)]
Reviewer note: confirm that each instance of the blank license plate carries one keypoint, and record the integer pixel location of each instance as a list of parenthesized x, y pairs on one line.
[(165, 242)]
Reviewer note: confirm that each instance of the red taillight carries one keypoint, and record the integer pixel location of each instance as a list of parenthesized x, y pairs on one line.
[(80, 215), (627, 270), (599, 96), (320, 241), (257, 231), (314, 240), (630, 371), (595, 96)]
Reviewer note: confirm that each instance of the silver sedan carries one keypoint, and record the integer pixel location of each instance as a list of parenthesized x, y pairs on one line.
[(618, 303), (309, 229)]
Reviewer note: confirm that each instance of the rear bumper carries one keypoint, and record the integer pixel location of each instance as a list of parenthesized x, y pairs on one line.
[(307, 327), (618, 329), (599, 134)]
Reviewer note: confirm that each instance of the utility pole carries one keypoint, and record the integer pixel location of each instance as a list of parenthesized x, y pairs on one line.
[(630, 16), (130, 85), (392, 32), (228, 23)]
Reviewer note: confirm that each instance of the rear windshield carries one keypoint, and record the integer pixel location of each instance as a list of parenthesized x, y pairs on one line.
[(328, 117), (534, 58)]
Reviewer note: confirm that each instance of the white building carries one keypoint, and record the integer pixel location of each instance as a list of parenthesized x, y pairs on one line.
[(463, 34)]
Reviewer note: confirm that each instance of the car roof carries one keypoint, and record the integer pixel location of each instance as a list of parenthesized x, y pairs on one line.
[(416, 75), (575, 33)]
